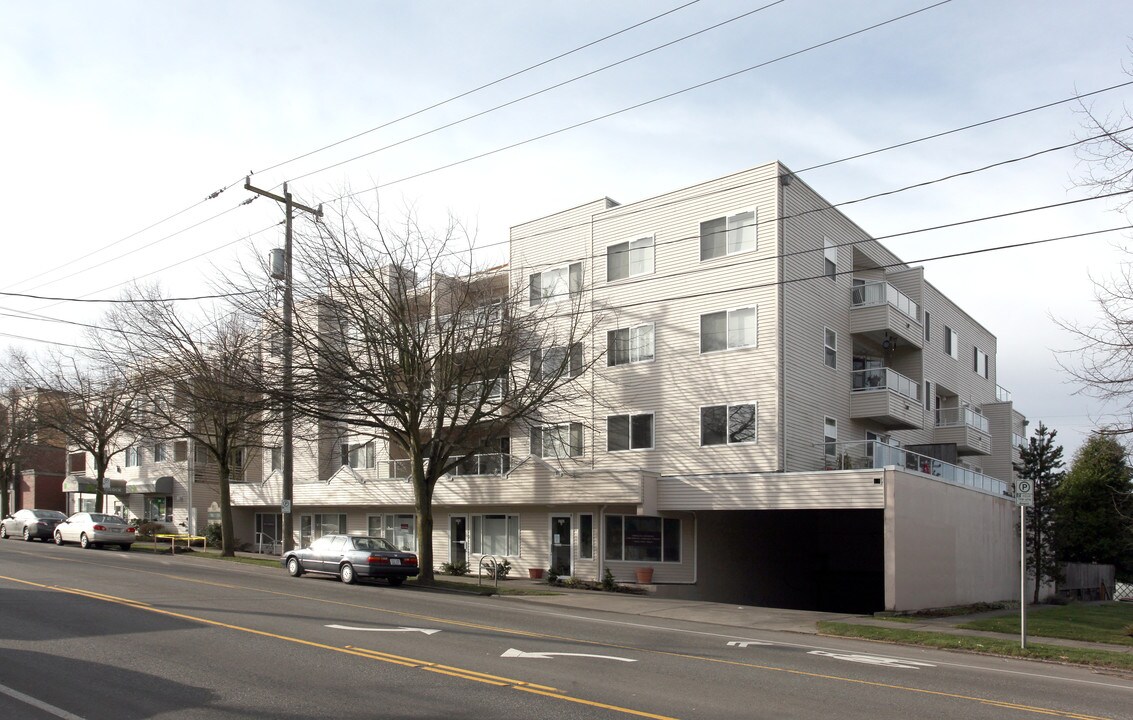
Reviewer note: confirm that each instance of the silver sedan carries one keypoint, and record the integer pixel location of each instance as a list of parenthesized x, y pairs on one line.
[(95, 530)]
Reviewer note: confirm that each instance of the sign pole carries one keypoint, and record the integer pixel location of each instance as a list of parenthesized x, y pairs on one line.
[(1022, 576)]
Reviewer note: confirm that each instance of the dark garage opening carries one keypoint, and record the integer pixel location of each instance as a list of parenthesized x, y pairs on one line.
[(827, 560)]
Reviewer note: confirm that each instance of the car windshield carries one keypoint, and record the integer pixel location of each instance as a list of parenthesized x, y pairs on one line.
[(49, 514), (100, 518), (372, 543)]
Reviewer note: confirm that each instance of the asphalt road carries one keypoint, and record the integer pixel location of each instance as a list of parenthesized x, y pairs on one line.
[(103, 634)]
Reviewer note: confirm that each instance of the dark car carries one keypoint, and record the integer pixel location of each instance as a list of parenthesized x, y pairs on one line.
[(31, 524), (351, 557)]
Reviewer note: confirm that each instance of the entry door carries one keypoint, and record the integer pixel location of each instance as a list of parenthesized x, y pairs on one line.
[(267, 530), (560, 544), (458, 535)]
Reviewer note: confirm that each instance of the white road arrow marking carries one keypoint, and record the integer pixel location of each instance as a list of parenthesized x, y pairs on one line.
[(874, 660), (513, 653), (746, 643), (400, 629)]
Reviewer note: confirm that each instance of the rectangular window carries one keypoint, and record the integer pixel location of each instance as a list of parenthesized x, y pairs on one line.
[(951, 342), (830, 437), (927, 327), (550, 362), (557, 441), (643, 538), (276, 458), (358, 455), (727, 424), (927, 395), (830, 345), (328, 524), (728, 329), (633, 257), (830, 258), (629, 432), (556, 283), (201, 454), (160, 452), (727, 235), (586, 537), (979, 362), (180, 451), (133, 456), (495, 534), (629, 345), (397, 529)]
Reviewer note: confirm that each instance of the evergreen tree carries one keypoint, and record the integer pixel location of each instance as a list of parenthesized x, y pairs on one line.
[(1091, 506), (1042, 465)]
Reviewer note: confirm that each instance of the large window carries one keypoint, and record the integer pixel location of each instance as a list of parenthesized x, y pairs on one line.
[(397, 529), (728, 329), (830, 347), (642, 538), (727, 235), (495, 534), (629, 345), (629, 432), (276, 458), (556, 283), (358, 455), (551, 441), (313, 527), (979, 362), (133, 456), (951, 342), (830, 258), (830, 437), (728, 424), (626, 259), (547, 362), (160, 452)]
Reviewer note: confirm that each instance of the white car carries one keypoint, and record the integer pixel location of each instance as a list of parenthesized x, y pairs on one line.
[(95, 530)]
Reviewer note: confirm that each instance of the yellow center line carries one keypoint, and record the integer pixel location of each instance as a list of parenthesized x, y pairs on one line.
[(524, 633)]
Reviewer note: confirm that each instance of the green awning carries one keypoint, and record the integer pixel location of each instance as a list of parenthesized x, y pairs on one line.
[(153, 486)]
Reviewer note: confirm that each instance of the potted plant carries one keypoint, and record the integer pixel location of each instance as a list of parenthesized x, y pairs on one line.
[(535, 573), (644, 575)]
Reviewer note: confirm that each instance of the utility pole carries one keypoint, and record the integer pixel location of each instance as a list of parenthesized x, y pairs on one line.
[(286, 505)]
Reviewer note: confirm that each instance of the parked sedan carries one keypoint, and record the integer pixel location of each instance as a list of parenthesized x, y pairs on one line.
[(351, 557), (95, 530), (31, 524)]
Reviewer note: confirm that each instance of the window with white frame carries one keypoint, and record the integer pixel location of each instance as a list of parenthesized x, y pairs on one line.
[(549, 362), (830, 437), (133, 456), (728, 235), (728, 424), (358, 455), (830, 347), (830, 258), (728, 329), (626, 259), (398, 529), (160, 452), (276, 458), (643, 538), (557, 441), (951, 342), (629, 432), (494, 535), (629, 345), (556, 283), (979, 362)]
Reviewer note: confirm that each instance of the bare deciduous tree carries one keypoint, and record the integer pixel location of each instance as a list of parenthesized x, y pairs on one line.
[(18, 426), (398, 336)]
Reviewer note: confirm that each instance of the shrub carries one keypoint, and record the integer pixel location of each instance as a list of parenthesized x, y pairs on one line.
[(213, 534), (552, 576), (503, 569), (148, 529), (458, 568), (608, 583)]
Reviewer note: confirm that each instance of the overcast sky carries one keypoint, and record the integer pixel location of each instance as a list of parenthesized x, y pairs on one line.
[(117, 115)]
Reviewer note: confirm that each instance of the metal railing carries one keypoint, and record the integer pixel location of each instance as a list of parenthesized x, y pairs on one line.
[(871, 454), (396, 469), (484, 464), (881, 293), (961, 416), (265, 544), (1017, 440), (1002, 394), (886, 379)]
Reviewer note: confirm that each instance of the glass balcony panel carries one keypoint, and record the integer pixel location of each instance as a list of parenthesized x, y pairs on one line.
[(880, 293), (886, 379), (868, 454)]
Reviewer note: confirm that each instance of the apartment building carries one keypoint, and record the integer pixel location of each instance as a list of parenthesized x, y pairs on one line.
[(781, 413)]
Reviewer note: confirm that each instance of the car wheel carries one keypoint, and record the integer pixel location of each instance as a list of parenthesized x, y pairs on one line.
[(58, 538), (27, 534), (3, 532), (346, 572), (293, 567), (395, 581), (126, 547), (84, 541)]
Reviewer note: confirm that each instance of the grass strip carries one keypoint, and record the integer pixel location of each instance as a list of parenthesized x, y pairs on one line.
[(987, 646), (1092, 622)]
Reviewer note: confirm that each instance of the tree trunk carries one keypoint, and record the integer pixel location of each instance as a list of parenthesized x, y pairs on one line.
[(423, 508), (227, 541)]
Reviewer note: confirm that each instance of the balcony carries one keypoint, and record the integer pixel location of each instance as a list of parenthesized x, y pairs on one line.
[(484, 464), (1002, 394), (870, 454), (886, 397), (881, 311), (965, 428)]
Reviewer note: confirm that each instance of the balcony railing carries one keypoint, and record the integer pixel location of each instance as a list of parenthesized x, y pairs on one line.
[(961, 416), (1002, 394), (1017, 440), (886, 379), (396, 469), (484, 464), (871, 454), (880, 293)]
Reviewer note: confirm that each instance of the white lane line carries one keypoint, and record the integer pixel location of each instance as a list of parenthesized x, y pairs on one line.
[(29, 700)]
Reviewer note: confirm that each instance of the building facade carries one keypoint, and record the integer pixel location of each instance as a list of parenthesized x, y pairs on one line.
[(780, 412)]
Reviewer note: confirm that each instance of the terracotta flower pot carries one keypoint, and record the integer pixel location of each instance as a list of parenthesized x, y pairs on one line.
[(644, 575), (535, 573)]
